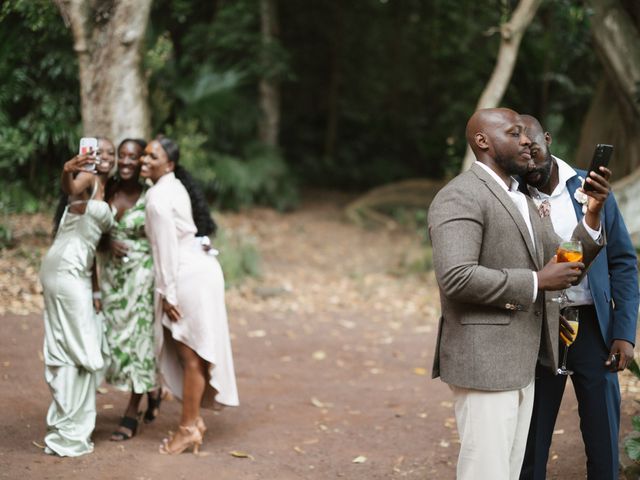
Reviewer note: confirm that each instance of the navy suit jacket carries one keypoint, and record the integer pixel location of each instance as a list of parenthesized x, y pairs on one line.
[(613, 275)]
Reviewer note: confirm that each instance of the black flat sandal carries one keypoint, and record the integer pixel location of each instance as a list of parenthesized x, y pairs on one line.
[(153, 405), (130, 424)]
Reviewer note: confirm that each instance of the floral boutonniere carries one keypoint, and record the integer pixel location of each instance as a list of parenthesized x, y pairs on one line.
[(580, 196)]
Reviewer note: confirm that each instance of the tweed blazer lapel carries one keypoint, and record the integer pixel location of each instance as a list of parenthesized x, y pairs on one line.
[(538, 225), (511, 208)]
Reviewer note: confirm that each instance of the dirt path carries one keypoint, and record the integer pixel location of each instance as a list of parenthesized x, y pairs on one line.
[(333, 350)]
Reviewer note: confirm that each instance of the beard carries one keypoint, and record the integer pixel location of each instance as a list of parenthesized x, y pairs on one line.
[(540, 176), (511, 165)]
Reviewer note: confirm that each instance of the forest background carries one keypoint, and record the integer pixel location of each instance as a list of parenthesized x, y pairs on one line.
[(267, 97), (360, 103)]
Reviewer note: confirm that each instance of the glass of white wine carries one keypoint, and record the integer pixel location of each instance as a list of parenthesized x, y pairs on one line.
[(570, 314)]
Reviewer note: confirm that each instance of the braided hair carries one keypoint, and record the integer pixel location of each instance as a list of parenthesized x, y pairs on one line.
[(199, 206)]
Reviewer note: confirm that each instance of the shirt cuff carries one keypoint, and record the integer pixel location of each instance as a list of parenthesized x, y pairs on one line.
[(535, 286), (595, 234)]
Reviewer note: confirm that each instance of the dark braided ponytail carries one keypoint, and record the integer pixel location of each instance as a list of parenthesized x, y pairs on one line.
[(199, 206)]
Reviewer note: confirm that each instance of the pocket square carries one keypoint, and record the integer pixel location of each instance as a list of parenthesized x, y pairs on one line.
[(544, 209)]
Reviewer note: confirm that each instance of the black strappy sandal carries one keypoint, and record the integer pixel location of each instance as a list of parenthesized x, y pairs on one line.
[(153, 405), (130, 424)]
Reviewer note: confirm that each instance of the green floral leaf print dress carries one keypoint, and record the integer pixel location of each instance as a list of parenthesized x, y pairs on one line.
[(127, 302)]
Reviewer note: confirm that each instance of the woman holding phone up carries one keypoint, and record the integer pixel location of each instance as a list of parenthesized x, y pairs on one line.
[(73, 332), (195, 360)]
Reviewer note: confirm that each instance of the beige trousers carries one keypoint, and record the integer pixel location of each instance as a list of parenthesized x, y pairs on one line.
[(493, 429)]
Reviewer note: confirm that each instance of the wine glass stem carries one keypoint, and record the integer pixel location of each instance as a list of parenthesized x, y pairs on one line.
[(564, 357)]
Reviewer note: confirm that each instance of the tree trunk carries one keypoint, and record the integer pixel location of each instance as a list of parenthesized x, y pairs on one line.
[(618, 42), (511, 35), (614, 115), (108, 36), (269, 124)]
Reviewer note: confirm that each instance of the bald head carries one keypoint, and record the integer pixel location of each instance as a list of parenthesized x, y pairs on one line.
[(485, 122), (497, 138), (532, 127)]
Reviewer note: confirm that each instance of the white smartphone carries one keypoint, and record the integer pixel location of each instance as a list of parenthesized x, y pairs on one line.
[(89, 145)]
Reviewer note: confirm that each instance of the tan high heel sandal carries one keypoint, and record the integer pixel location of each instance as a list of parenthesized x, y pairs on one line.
[(183, 439), (200, 425)]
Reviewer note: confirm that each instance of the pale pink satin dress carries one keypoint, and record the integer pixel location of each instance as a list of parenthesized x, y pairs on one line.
[(189, 278)]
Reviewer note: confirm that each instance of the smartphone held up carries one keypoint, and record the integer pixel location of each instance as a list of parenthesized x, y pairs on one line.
[(89, 145), (601, 158)]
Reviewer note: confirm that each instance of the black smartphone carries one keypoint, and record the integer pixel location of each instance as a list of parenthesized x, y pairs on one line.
[(601, 157)]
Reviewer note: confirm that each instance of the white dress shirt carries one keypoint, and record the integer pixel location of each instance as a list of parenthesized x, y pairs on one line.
[(520, 201), (563, 217)]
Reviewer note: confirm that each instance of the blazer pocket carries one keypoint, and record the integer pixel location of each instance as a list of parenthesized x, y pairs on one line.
[(497, 318)]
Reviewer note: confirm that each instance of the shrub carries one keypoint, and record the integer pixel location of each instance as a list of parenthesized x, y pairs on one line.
[(238, 256)]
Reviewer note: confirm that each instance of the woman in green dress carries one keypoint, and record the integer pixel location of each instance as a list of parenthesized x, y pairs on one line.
[(73, 332), (126, 282)]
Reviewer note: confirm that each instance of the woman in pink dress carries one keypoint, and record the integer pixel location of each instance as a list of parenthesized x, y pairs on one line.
[(195, 357)]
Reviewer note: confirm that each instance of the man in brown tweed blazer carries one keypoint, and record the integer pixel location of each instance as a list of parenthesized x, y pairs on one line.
[(495, 266)]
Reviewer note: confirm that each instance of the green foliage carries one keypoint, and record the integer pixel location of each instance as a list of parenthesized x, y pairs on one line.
[(39, 114), (634, 368), (259, 176), (238, 257), (632, 443), (557, 72), (6, 236), (205, 64), (371, 91), (262, 177)]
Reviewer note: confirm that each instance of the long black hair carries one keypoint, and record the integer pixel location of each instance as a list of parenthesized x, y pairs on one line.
[(199, 206)]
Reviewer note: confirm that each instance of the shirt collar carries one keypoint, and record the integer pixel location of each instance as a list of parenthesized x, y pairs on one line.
[(514, 183), (167, 177)]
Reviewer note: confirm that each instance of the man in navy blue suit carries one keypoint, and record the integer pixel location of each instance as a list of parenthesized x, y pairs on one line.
[(607, 300)]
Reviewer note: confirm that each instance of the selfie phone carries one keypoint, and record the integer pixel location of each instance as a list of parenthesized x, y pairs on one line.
[(601, 157), (89, 145)]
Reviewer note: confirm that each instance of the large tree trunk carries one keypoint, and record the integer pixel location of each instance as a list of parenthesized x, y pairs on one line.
[(108, 36), (614, 115), (511, 35), (618, 42), (269, 124)]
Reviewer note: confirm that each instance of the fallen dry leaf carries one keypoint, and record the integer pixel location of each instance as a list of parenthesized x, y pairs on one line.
[(299, 450), (319, 355), (359, 459), (317, 403), (256, 334), (107, 406), (559, 431), (420, 371), (239, 454), (41, 447)]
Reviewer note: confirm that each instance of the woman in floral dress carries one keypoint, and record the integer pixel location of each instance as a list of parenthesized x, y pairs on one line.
[(126, 282)]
